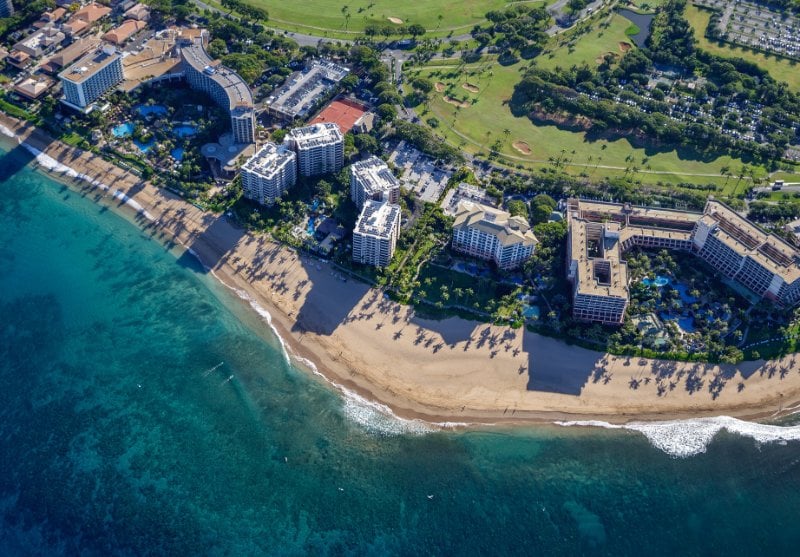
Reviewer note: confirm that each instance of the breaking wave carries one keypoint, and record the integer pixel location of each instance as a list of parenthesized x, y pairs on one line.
[(685, 438)]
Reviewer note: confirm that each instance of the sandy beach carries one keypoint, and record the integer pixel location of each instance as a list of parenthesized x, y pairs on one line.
[(452, 370)]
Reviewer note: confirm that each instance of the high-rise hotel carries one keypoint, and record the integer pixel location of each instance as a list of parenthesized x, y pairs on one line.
[(91, 76), (376, 232), (372, 179), (319, 148), (268, 174)]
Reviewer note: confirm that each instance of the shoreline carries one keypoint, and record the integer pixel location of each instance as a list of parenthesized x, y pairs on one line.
[(452, 372)]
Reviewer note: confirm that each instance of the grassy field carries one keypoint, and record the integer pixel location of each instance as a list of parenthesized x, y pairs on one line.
[(457, 16), (485, 117), (589, 48), (779, 68)]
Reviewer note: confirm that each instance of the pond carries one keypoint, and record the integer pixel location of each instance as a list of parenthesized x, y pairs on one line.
[(123, 130), (184, 130), (148, 109), (642, 21)]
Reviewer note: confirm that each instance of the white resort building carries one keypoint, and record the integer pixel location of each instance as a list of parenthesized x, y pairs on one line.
[(268, 174), (372, 179), (376, 232), (91, 76), (600, 233), (224, 85), (319, 148), (488, 233)]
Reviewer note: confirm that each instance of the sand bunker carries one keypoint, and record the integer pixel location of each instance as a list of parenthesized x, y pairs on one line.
[(522, 147), (625, 47), (439, 86), (470, 87), (451, 100), (395, 20)]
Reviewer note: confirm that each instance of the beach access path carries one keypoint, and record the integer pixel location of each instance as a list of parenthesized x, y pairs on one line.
[(453, 370)]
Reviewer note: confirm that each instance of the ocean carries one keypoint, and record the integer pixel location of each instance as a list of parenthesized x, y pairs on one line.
[(144, 409)]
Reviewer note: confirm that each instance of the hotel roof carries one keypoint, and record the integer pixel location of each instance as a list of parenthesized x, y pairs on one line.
[(269, 160), (378, 219), (89, 65), (507, 229), (70, 53), (124, 31), (302, 90), (196, 56), (315, 135), (375, 175)]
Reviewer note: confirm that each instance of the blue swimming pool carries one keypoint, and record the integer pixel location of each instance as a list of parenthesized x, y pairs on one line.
[(184, 130), (311, 226), (144, 146), (147, 109), (659, 281), (123, 130), (177, 153)]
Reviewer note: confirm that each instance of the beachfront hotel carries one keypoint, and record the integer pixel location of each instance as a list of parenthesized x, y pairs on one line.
[(492, 234), (90, 77), (376, 232), (372, 179), (225, 86), (600, 233), (268, 174), (319, 148)]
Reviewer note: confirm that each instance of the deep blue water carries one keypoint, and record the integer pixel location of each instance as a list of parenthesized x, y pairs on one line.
[(120, 433)]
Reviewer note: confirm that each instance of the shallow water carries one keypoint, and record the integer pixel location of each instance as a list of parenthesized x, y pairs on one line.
[(144, 409)]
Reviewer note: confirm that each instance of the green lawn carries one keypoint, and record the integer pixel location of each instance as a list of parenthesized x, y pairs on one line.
[(457, 16), (779, 68), (588, 48), (486, 118)]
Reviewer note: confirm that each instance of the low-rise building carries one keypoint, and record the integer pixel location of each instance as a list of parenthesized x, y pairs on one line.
[(319, 148), (491, 234), (67, 55), (268, 174), (91, 76), (303, 91), (376, 232), (372, 179), (120, 34), (139, 12), (33, 87)]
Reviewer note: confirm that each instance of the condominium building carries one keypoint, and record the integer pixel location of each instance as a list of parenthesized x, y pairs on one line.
[(319, 148), (600, 234), (268, 174), (6, 8), (91, 76), (376, 232), (488, 233), (225, 86), (372, 179)]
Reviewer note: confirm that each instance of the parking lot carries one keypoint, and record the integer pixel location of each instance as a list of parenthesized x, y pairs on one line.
[(756, 26), (419, 173)]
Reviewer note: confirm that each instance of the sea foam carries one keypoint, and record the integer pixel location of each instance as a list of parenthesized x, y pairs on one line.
[(685, 438)]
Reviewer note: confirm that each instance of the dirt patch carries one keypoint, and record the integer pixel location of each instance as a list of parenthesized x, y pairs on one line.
[(439, 86), (456, 102), (470, 87), (395, 20), (601, 59), (625, 47), (522, 147), (561, 119)]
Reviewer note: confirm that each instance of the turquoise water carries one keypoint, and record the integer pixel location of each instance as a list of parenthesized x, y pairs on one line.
[(121, 433), (123, 130), (184, 131), (144, 146), (659, 281), (146, 110)]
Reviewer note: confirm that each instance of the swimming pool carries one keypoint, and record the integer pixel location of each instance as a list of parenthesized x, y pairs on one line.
[(144, 146), (177, 153), (184, 130), (123, 130), (659, 281), (148, 109)]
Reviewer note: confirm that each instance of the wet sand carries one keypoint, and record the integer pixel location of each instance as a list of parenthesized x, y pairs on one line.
[(452, 370)]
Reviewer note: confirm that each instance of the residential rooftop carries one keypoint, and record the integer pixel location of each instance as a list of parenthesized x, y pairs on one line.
[(315, 135), (269, 160), (507, 229), (377, 219), (375, 175)]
